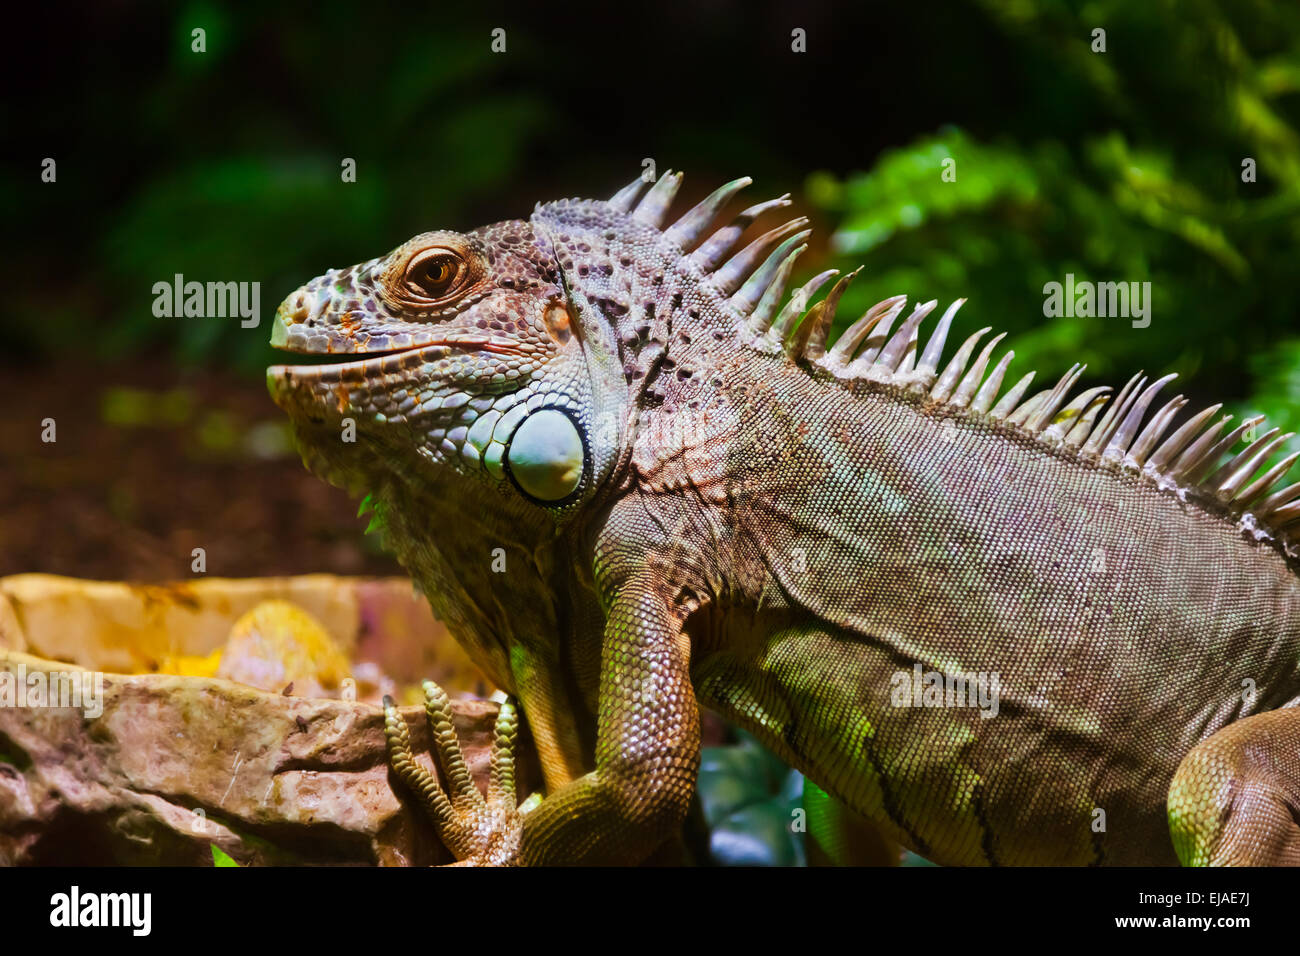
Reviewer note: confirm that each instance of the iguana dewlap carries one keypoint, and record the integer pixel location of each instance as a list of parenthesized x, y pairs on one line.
[(633, 482)]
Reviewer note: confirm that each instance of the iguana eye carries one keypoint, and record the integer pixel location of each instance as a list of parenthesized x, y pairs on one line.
[(434, 274)]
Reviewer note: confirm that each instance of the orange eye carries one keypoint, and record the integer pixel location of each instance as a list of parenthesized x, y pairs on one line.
[(434, 274)]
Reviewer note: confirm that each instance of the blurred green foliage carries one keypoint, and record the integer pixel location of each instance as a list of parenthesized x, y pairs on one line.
[(749, 797), (1128, 167)]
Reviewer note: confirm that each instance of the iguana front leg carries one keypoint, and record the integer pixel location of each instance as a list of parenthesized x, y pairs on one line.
[(1235, 799), (478, 831), (647, 757), (647, 744)]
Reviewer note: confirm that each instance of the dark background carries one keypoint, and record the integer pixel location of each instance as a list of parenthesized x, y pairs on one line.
[(224, 166)]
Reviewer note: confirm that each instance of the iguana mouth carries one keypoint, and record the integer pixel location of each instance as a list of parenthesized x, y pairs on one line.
[(347, 365), (343, 349)]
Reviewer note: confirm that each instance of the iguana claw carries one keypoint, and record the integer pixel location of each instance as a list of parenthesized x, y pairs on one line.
[(479, 831)]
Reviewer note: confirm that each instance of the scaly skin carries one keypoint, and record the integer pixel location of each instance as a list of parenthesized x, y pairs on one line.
[(696, 505)]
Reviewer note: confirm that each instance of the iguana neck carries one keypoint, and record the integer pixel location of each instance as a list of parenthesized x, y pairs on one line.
[(478, 566)]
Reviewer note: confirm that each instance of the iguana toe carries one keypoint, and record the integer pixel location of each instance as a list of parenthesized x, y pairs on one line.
[(479, 830)]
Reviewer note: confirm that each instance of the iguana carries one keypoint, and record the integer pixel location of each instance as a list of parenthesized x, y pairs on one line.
[(633, 482)]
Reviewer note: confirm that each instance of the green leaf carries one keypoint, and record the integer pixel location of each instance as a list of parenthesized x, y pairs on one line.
[(221, 858)]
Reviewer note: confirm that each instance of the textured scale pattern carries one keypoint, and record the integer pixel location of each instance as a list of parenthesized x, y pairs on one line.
[(635, 478)]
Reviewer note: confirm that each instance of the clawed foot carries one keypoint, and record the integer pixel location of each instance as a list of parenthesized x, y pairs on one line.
[(481, 832)]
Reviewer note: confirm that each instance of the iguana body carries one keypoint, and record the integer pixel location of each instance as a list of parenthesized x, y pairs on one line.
[(698, 503)]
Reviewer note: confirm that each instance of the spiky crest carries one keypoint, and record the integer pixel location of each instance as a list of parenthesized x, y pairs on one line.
[(752, 282)]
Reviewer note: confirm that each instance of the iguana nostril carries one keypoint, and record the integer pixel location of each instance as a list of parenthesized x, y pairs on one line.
[(294, 309)]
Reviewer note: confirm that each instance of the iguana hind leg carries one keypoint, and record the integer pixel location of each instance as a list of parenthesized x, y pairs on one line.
[(1235, 798), (840, 836)]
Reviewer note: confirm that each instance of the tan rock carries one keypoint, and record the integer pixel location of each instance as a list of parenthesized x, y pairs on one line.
[(277, 646), (157, 768), (134, 628), (174, 764)]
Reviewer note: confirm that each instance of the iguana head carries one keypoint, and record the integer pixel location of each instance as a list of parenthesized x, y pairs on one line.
[(464, 368)]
